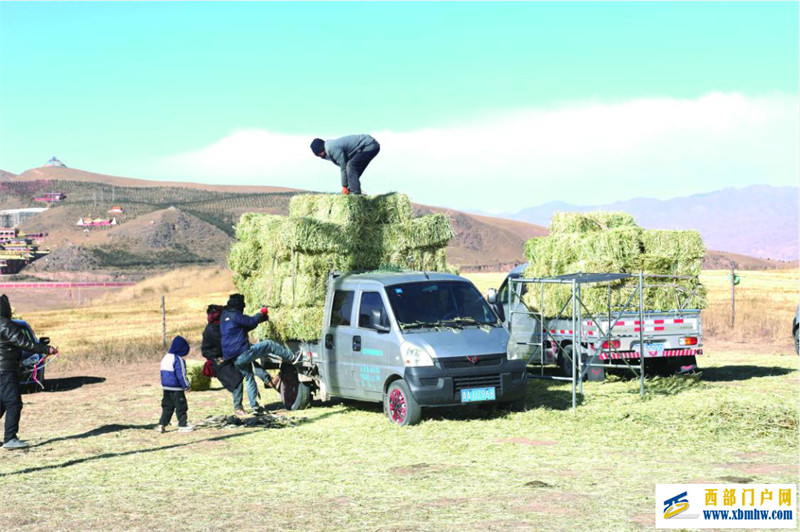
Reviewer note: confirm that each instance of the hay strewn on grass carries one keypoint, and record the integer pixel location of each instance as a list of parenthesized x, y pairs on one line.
[(284, 262), (610, 242)]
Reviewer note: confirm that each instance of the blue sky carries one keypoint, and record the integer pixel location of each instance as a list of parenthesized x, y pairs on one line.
[(550, 99)]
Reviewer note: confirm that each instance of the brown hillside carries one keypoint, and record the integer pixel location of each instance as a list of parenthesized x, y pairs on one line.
[(73, 174), (483, 243), (6, 176), (172, 227), (722, 260)]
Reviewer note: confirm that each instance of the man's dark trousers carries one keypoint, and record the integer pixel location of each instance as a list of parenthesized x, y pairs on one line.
[(173, 401), (10, 403), (356, 167)]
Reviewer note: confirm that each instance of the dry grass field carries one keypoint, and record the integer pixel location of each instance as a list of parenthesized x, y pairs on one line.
[(96, 463), (126, 325)]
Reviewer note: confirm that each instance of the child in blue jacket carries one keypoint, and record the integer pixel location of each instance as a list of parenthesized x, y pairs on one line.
[(174, 382)]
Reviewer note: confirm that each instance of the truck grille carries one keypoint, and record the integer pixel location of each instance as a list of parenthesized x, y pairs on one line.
[(481, 361), (478, 381)]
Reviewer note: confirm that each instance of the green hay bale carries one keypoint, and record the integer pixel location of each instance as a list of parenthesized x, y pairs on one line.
[(313, 236), (434, 230), (616, 250), (292, 324), (303, 291), (672, 253), (586, 222), (352, 209), (197, 381)]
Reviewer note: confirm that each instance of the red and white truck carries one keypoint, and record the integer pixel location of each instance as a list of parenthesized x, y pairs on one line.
[(670, 339)]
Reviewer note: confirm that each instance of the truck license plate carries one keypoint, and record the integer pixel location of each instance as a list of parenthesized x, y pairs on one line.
[(469, 395), (654, 349)]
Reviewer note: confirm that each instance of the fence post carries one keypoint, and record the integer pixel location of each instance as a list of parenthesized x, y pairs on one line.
[(733, 296), (163, 323)]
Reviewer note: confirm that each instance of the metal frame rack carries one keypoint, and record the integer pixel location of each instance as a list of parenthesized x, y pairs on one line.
[(578, 315), (632, 297)]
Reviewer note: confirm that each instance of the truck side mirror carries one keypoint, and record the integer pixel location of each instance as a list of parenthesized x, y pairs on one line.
[(375, 321), (491, 296)]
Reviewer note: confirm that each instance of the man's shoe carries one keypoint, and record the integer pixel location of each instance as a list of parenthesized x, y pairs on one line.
[(15, 443), (240, 412), (186, 428), (258, 410), (161, 429)]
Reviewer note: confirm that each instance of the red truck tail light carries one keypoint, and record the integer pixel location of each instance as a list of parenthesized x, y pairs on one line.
[(688, 340), (613, 344)]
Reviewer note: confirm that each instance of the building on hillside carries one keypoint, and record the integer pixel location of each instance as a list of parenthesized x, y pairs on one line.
[(13, 217), (116, 209), (50, 197), (55, 162)]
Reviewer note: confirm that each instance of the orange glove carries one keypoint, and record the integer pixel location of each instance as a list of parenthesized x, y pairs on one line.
[(345, 190)]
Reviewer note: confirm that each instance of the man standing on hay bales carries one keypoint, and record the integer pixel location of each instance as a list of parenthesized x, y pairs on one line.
[(235, 326), (351, 154)]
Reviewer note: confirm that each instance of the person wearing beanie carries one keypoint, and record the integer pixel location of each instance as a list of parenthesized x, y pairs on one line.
[(13, 341), (351, 154), (236, 348), (174, 382)]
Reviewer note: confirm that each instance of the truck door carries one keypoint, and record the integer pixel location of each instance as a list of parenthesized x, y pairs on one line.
[(517, 318), (373, 345), (338, 342)]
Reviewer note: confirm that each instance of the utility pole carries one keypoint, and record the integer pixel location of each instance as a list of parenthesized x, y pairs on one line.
[(733, 295), (163, 323)]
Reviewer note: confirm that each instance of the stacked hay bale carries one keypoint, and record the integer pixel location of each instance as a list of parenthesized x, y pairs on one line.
[(284, 262), (611, 242)]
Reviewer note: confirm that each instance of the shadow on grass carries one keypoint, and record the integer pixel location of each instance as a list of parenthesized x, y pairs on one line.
[(742, 373), (103, 429), (67, 384), (116, 455)]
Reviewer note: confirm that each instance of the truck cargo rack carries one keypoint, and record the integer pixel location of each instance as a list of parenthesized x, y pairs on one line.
[(580, 314)]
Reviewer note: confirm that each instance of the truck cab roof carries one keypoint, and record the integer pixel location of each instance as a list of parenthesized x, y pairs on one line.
[(393, 278)]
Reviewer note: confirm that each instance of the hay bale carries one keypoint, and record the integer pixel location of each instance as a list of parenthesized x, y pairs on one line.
[(585, 222), (352, 209), (611, 242), (197, 381), (284, 262)]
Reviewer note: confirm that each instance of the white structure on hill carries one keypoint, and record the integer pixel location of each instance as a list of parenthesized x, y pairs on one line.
[(14, 217), (55, 162)]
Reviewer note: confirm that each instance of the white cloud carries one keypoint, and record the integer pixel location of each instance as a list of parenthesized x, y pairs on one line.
[(582, 153)]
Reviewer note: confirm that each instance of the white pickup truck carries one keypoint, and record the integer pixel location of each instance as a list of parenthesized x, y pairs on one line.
[(672, 339)]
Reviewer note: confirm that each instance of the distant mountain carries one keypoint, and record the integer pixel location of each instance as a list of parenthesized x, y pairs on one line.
[(6, 176), (73, 174), (760, 220)]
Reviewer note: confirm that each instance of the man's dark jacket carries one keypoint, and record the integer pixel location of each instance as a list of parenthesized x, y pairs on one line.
[(234, 327), (13, 340), (211, 347)]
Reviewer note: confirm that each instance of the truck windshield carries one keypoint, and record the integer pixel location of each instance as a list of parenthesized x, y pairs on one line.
[(439, 303)]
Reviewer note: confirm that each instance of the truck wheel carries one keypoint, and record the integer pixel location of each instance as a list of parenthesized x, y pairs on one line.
[(400, 406), (565, 362), (797, 341), (295, 395)]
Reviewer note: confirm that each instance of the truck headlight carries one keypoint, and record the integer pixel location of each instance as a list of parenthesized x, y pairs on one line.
[(414, 356), (515, 353)]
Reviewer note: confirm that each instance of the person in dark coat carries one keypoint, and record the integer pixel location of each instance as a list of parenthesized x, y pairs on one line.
[(211, 347), (13, 341), (351, 154), (234, 327)]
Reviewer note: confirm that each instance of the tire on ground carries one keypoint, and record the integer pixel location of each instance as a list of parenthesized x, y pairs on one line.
[(400, 406), (295, 395)]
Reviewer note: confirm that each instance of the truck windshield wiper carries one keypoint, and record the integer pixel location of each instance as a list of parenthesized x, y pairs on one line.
[(463, 322), (419, 325)]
